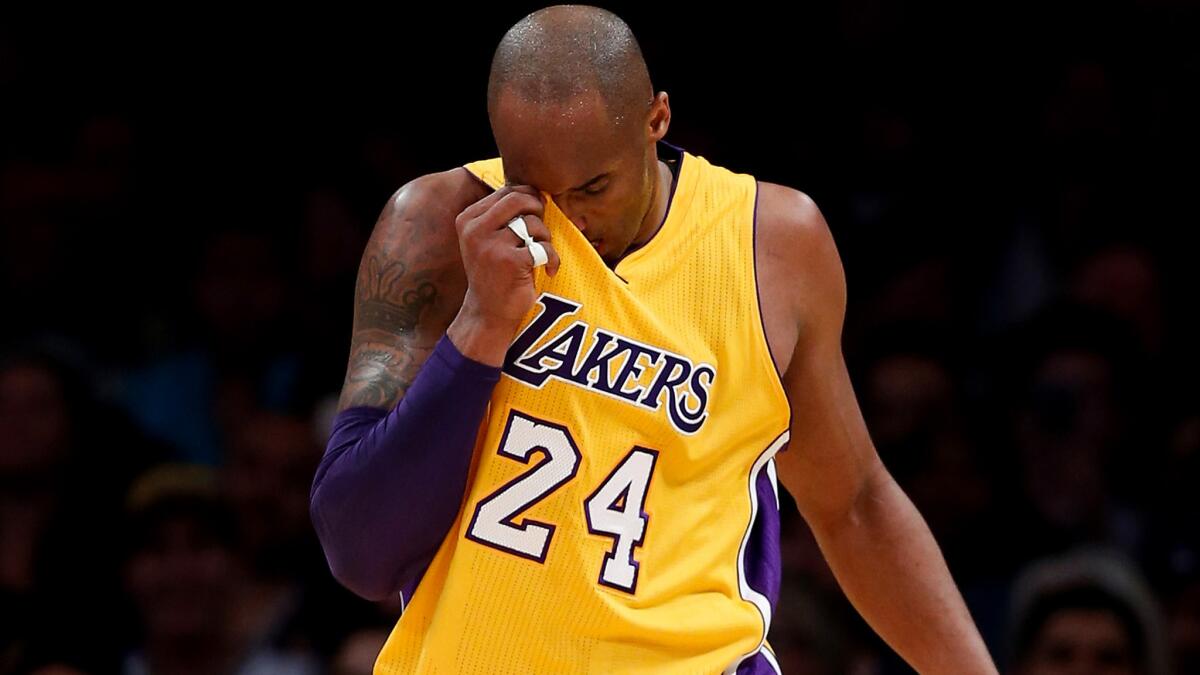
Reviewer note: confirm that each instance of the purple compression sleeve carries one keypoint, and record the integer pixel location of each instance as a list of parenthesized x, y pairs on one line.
[(390, 483)]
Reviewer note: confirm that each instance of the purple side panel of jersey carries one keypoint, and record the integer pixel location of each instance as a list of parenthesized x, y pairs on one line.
[(764, 566), (763, 563)]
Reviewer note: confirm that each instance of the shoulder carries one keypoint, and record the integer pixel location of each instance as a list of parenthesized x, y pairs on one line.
[(452, 190), (796, 254), (789, 223), (794, 236), (433, 199), (421, 212)]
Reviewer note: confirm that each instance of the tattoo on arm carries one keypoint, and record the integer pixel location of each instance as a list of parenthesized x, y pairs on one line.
[(386, 344), (384, 303), (410, 285), (375, 376)]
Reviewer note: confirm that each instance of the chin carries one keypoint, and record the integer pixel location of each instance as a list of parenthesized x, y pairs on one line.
[(610, 258)]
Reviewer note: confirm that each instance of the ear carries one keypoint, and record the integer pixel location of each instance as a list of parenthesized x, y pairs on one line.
[(660, 117)]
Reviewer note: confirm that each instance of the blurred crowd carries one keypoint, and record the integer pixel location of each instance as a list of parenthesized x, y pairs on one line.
[(176, 298)]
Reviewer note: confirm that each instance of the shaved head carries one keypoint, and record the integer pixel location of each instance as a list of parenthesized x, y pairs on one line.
[(574, 116), (558, 54)]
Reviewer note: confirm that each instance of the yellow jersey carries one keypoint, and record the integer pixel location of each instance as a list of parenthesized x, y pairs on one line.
[(621, 512)]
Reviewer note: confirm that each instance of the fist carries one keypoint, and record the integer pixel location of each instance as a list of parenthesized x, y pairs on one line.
[(499, 268)]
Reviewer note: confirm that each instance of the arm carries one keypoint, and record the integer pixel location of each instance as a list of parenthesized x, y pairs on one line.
[(410, 286), (392, 455), (391, 483), (875, 541)]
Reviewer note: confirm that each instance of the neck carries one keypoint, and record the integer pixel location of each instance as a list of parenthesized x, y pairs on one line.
[(659, 201)]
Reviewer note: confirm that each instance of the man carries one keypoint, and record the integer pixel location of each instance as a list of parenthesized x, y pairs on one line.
[(609, 504), (1087, 611)]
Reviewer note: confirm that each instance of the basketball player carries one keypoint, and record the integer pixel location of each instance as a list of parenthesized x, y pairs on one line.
[(601, 345)]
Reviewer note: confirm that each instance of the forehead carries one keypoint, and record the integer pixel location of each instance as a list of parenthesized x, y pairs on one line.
[(557, 146)]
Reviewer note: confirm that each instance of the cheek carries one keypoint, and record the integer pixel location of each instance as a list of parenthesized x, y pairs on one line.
[(619, 208), (600, 213), (629, 203)]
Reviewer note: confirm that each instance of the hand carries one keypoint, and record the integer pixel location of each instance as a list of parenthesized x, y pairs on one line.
[(499, 267)]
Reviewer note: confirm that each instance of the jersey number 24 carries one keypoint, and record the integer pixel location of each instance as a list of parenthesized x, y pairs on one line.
[(615, 509)]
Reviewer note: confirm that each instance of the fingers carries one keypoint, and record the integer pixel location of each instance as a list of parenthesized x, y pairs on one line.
[(516, 196), (488, 218), (491, 198), (537, 228), (541, 234), (508, 207), (522, 257), (553, 262), (536, 237)]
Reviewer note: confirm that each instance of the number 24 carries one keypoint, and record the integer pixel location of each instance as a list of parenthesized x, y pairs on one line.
[(615, 509)]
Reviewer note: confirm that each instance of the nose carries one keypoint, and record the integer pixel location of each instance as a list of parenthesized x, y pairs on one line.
[(572, 213)]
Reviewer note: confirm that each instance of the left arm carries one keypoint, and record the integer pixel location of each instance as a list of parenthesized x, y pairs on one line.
[(876, 543)]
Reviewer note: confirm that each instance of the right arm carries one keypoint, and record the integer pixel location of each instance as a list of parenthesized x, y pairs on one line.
[(410, 286), (421, 370)]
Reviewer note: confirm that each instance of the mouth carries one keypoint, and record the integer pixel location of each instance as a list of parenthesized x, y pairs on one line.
[(597, 244)]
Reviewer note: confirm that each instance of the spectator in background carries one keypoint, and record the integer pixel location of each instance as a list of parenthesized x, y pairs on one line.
[(38, 430), (1173, 549), (239, 360), (266, 478), (923, 421), (917, 412), (1184, 626), (65, 462), (65, 193), (35, 231), (1123, 280), (183, 577), (1075, 195), (1087, 612), (1071, 377), (331, 241)]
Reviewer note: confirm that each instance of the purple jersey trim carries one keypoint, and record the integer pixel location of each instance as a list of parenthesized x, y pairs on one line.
[(759, 563), (763, 565), (762, 562), (761, 663)]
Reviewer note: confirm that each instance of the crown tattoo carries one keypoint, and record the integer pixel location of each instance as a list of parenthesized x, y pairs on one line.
[(378, 306)]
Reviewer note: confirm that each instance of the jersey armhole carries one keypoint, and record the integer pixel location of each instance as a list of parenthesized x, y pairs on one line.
[(758, 309)]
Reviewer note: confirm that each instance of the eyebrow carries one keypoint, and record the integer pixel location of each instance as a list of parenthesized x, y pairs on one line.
[(509, 181), (597, 178)]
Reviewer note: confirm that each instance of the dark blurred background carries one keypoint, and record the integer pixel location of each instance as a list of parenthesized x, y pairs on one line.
[(184, 199)]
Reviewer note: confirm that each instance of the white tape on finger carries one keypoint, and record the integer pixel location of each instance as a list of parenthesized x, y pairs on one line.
[(517, 225), (538, 252)]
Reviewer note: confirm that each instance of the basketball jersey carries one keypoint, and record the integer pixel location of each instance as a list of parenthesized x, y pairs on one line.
[(621, 512)]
